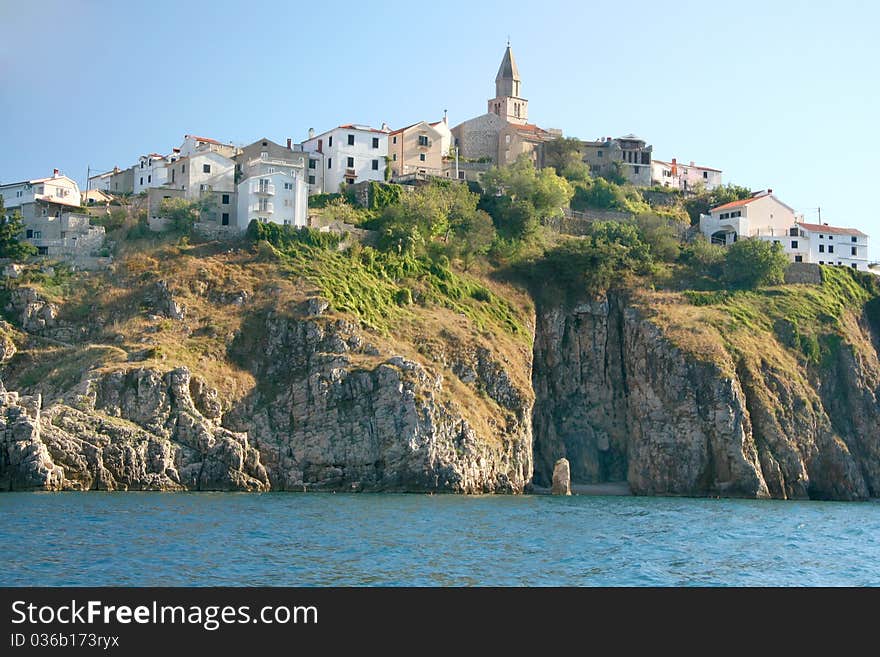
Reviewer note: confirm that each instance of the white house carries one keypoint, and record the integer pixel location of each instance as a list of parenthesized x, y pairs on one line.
[(824, 245), (152, 171), (274, 187), (55, 190), (205, 171), (760, 215), (684, 176), (351, 154)]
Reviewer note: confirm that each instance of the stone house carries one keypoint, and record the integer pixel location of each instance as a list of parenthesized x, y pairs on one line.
[(629, 154), (420, 148)]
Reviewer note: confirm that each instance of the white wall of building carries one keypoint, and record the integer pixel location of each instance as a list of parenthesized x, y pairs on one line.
[(279, 197), (151, 171), (761, 215), (344, 161), (57, 189)]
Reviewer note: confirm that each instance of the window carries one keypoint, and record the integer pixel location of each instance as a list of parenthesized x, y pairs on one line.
[(394, 157), (172, 175), (351, 140), (271, 170), (287, 203), (854, 266), (421, 157), (224, 219), (142, 180), (330, 141), (349, 181), (329, 162), (636, 169), (29, 234), (839, 262), (854, 239), (287, 222), (311, 180), (792, 232), (42, 250), (264, 155), (777, 242), (375, 142), (461, 175), (821, 236), (206, 168), (150, 178), (349, 162), (375, 165), (313, 164), (264, 205), (705, 175), (182, 168), (394, 140), (821, 262), (225, 199), (794, 244), (423, 140), (821, 248), (798, 258), (852, 250), (830, 248), (288, 185), (38, 234)]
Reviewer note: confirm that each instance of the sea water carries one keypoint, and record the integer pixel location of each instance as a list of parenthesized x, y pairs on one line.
[(278, 539)]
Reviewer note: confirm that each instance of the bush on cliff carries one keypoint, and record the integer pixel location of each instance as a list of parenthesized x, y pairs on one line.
[(749, 264)]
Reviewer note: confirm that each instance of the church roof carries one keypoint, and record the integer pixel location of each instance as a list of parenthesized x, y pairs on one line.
[(507, 70)]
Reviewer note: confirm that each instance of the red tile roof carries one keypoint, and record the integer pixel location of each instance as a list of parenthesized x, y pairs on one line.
[(689, 166), (738, 204), (831, 230), (203, 139)]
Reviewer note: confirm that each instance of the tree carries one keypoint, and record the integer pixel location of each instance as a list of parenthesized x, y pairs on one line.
[(182, 214), (751, 263), (11, 228), (518, 196), (564, 155)]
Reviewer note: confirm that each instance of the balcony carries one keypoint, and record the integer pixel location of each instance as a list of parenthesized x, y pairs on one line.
[(268, 190), (259, 208), (274, 162), (425, 144), (350, 173)]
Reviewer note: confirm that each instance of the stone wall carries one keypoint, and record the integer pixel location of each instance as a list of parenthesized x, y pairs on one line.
[(806, 273)]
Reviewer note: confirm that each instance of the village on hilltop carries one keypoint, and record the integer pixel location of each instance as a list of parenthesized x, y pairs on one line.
[(270, 182)]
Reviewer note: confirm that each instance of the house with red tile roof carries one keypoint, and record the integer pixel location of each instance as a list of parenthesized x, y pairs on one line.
[(763, 216), (420, 149), (685, 177)]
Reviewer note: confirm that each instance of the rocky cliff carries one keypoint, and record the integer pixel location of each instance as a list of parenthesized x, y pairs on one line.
[(221, 372), (330, 411), (708, 414)]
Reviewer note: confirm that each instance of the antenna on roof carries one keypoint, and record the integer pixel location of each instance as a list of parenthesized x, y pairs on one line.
[(508, 41)]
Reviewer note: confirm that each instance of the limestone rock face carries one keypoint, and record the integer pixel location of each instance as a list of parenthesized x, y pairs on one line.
[(622, 402), (561, 478), (330, 412)]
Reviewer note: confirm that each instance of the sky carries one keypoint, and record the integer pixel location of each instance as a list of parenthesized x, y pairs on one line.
[(780, 95)]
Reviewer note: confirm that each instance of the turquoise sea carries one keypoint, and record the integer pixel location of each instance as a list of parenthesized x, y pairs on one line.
[(217, 539)]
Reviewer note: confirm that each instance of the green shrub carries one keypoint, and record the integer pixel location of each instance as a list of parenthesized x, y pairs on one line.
[(282, 237), (752, 263), (403, 297)]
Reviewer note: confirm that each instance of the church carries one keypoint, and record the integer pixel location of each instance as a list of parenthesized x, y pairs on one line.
[(503, 133)]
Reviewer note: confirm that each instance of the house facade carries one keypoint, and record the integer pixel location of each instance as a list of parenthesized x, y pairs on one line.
[(629, 154), (685, 177), (115, 181), (420, 148), (48, 208), (350, 153), (193, 144), (760, 215), (824, 245), (151, 171), (205, 171), (273, 184)]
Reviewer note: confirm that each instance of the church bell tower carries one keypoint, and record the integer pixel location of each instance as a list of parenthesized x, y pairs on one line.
[(507, 102)]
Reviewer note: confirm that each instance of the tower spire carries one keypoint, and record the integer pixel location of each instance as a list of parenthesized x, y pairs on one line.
[(508, 102)]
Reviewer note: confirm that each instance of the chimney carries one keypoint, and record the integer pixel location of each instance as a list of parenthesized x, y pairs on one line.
[(311, 132), (289, 141), (692, 163), (385, 127), (769, 191), (674, 162), (55, 173), (444, 115)]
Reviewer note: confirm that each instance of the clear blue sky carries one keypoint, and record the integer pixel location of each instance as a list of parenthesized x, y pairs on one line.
[(777, 94)]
